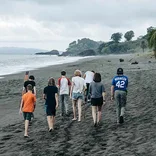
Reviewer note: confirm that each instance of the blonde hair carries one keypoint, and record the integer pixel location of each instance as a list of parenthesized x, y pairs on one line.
[(77, 73), (51, 82)]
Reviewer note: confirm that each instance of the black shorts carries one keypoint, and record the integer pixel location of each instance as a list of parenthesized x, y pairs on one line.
[(97, 101), (27, 115), (50, 111)]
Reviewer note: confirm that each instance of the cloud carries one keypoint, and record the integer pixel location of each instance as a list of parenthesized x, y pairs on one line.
[(62, 21)]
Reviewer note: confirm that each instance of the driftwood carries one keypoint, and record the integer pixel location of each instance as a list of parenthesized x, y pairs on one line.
[(121, 60)]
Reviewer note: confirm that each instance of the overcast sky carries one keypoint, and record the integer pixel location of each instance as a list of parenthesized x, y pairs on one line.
[(53, 24)]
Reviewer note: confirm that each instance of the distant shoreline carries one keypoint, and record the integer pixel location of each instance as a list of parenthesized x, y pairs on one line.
[(60, 61)]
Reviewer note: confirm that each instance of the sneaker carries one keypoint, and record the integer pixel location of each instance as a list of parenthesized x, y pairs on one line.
[(121, 120), (74, 119), (50, 130), (26, 136)]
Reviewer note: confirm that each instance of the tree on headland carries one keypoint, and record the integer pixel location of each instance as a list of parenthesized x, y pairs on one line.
[(149, 29), (129, 35), (152, 40), (101, 46), (81, 45), (72, 43), (116, 37), (143, 45), (140, 37)]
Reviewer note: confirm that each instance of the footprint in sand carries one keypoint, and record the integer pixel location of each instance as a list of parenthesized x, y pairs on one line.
[(6, 137), (2, 145), (17, 131), (30, 140)]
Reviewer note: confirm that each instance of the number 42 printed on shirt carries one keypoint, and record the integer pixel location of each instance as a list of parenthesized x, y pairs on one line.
[(120, 84)]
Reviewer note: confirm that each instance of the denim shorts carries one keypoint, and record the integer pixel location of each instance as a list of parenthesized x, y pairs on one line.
[(76, 96)]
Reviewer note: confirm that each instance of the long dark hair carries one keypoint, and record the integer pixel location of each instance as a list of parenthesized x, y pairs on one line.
[(51, 82), (97, 77)]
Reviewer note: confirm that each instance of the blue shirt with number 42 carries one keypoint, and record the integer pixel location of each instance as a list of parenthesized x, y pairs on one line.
[(120, 82)]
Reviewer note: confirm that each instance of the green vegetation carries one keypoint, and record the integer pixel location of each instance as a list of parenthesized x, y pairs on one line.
[(143, 45), (82, 45), (116, 37), (152, 40), (129, 35), (122, 47), (87, 46)]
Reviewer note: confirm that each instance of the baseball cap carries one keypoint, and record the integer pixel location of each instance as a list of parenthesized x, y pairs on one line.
[(119, 71)]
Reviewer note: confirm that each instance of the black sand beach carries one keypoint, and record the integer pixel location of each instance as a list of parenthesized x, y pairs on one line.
[(136, 137)]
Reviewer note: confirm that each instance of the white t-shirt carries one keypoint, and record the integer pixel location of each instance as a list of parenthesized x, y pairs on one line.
[(64, 84), (89, 77), (79, 84)]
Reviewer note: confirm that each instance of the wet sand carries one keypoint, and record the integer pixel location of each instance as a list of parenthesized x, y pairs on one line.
[(136, 137)]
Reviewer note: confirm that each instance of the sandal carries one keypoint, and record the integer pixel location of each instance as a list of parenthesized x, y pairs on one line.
[(74, 119), (26, 136)]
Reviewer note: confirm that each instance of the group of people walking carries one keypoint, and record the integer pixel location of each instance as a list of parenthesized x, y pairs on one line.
[(81, 89)]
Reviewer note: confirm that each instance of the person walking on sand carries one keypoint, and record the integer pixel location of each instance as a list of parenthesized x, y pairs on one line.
[(31, 81), (119, 94), (27, 106), (50, 94), (77, 88), (64, 87), (88, 76), (98, 98)]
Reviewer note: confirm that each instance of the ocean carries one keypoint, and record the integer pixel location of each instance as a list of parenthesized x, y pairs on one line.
[(15, 63)]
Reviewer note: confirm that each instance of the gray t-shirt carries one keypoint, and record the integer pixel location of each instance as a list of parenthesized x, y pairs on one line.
[(96, 89)]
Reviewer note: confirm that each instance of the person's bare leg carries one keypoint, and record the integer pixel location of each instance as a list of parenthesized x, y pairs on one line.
[(79, 108), (74, 109), (49, 120), (94, 114), (26, 127), (99, 116), (53, 121)]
